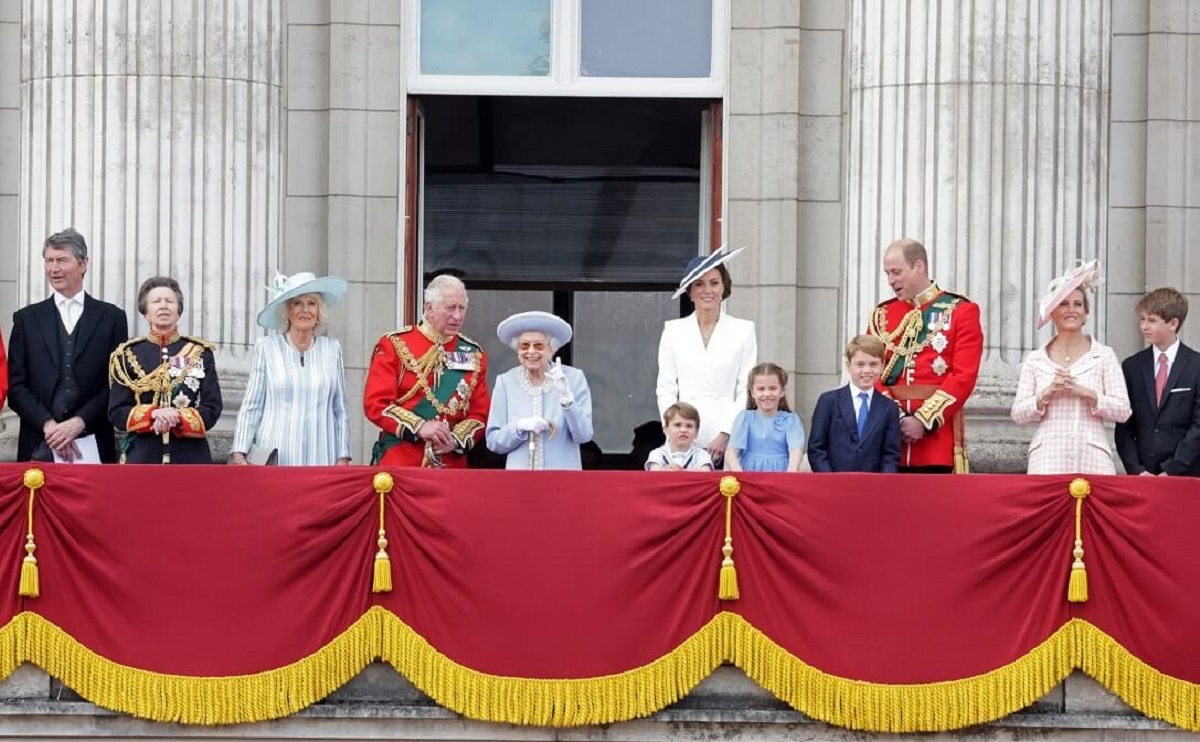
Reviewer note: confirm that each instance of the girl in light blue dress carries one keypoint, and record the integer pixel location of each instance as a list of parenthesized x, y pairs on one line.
[(767, 435)]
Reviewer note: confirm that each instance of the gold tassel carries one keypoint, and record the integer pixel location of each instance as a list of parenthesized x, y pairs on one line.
[(728, 587), (30, 585), (382, 581), (961, 464), (1077, 586)]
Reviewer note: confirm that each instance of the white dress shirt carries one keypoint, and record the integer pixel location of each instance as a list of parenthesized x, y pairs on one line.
[(69, 310), (1170, 353)]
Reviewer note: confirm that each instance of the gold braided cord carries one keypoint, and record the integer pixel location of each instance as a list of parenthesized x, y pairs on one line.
[(432, 364), (638, 692), (899, 342), (124, 368)]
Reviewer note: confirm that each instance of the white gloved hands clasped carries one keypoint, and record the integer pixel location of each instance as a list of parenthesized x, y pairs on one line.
[(532, 424), (558, 378)]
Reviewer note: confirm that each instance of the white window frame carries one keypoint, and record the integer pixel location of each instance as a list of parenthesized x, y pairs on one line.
[(564, 78)]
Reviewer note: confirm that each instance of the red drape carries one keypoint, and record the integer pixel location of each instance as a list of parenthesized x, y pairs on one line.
[(224, 572)]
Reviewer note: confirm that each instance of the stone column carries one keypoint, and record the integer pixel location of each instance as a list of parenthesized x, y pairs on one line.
[(1155, 179), (982, 130), (154, 128), (783, 150)]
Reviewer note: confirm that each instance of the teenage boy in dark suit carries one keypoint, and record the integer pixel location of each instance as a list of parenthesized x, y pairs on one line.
[(1162, 436)]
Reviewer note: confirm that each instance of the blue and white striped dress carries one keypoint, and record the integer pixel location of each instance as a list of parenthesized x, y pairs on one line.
[(297, 408)]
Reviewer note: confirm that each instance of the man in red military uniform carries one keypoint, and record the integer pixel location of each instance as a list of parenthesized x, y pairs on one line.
[(427, 386), (934, 344)]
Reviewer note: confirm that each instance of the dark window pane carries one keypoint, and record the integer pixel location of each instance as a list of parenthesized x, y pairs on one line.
[(616, 345), (631, 229), (562, 190), (484, 312)]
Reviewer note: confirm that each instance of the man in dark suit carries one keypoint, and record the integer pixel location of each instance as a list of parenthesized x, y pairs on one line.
[(853, 427), (1162, 436), (58, 359)]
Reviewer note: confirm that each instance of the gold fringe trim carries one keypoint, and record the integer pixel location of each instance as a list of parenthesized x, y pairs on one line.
[(1154, 693), (560, 702), (925, 707), (202, 700), (642, 691), (12, 645)]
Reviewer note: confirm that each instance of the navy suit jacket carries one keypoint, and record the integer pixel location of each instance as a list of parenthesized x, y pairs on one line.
[(1162, 438), (35, 369), (833, 443)]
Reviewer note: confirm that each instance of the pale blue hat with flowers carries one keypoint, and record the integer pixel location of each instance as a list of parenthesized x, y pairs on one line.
[(285, 288)]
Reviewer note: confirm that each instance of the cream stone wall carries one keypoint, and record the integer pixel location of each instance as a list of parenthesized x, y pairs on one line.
[(221, 141), (345, 129), (783, 158), (10, 155)]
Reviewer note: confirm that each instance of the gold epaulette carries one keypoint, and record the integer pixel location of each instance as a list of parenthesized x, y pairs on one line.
[(202, 343), (400, 331), (960, 297), (130, 343), (469, 340)]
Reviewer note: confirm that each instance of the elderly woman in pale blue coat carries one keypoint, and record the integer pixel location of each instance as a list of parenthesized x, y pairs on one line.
[(541, 411)]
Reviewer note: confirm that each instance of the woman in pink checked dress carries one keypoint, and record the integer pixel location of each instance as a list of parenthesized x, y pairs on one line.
[(1070, 387)]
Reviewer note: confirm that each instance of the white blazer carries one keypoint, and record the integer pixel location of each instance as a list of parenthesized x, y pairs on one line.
[(712, 379)]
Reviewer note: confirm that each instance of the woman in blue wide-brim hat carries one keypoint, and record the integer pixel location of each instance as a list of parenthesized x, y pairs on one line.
[(704, 359)]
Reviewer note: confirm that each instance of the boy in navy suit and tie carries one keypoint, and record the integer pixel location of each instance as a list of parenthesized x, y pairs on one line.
[(1162, 436), (854, 428)]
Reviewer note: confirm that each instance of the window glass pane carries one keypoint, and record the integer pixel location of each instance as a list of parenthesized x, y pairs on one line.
[(616, 345), (575, 190), (646, 38), (485, 37), (484, 312), (638, 228)]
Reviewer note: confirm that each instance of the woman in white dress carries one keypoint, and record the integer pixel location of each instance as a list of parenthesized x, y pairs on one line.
[(1070, 387), (295, 400), (705, 358)]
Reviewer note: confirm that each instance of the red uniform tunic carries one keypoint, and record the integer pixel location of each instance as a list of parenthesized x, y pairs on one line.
[(417, 375), (934, 347)]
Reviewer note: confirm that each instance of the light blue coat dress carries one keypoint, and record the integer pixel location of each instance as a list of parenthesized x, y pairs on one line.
[(514, 397), (765, 442), (296, 403)]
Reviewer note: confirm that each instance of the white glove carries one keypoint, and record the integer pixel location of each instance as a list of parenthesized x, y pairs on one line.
[(558, 377), (532, 425)]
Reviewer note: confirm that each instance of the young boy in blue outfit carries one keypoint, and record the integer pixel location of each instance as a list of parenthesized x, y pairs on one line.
[(855, 427)]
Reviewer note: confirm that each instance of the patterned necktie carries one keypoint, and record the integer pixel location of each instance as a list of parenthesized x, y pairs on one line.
[(1160, 379), (862, 414)]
